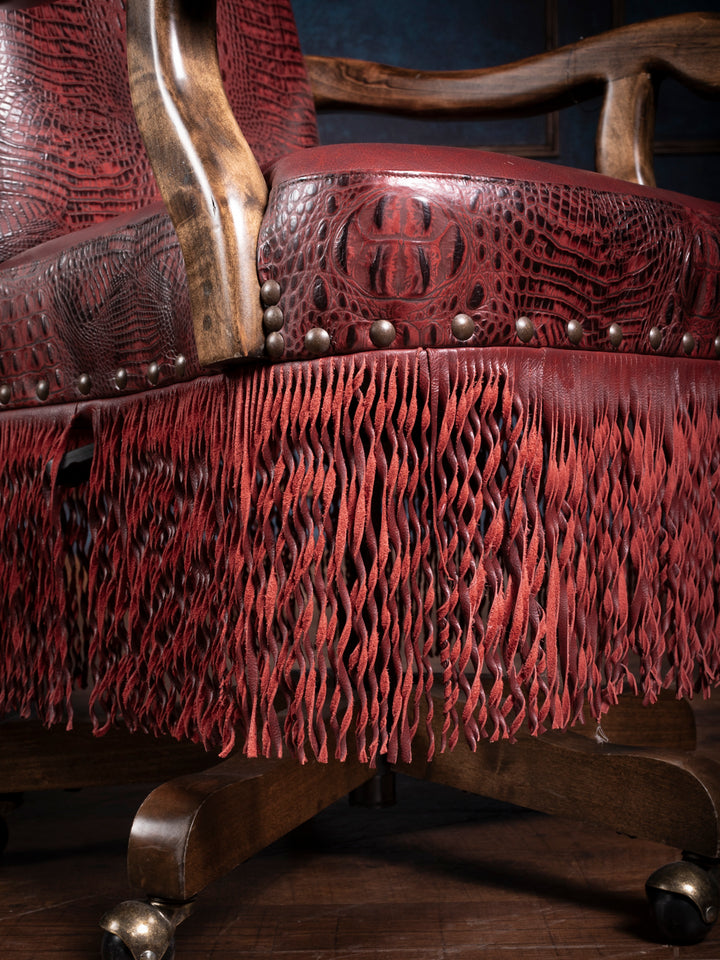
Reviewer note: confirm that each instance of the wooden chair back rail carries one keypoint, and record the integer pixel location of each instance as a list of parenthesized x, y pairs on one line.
[(626, 62), (215, 191)]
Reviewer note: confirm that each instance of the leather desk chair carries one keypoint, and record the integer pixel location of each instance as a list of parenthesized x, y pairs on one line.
[(411, 463)]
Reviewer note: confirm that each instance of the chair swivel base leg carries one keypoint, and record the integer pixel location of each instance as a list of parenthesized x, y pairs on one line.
[(674, 794), (197, 828)]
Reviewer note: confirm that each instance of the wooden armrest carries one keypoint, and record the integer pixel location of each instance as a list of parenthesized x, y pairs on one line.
[(209, 179), (626, 62)]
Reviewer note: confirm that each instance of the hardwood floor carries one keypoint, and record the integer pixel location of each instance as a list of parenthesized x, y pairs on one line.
[(441, 875)]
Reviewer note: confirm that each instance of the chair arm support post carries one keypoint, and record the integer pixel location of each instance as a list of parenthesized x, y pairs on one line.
[(209, 179), (625, 133)]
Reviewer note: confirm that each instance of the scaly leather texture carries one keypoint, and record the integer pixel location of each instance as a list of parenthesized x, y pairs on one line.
[(351, 241), (415, 236), (109, 292), (70, 151), (104, 304)]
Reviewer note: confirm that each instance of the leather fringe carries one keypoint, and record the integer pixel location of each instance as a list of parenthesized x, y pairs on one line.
[(262, 558)]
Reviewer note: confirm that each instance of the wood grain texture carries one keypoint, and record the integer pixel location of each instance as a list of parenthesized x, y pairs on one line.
[(35, 758), (441, 874), (671, 796), (208, 176), (684, 46), (197, 828)]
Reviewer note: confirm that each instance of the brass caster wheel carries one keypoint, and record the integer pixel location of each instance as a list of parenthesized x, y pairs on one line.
[(141, 931), (684, 899), (112, 948)]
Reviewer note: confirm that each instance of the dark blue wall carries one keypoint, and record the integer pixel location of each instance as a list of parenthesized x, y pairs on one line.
[(457, 34)]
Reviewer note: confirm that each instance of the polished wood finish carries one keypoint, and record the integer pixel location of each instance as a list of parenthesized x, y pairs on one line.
[(667, 724), (626, 62), (197, 828), (442, 874), (208, 176), (35, 758), (672, 796), (215, 191)]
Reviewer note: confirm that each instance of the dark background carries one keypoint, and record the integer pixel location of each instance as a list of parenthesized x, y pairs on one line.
[(458, 34)]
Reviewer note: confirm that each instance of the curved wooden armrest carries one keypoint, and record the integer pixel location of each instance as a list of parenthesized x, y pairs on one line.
[(625, 61), (207, 174)]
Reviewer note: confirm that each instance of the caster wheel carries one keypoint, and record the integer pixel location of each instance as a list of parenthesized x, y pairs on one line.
[(112, 948), (139, 931), (684, 900)]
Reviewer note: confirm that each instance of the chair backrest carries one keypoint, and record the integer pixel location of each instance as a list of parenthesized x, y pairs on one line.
[(70, 151)]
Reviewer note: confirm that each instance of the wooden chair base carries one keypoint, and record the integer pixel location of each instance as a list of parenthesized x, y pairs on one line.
[(198, 827)]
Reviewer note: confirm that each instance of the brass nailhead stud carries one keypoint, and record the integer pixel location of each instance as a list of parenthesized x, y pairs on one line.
[(688, 342), (270, 293), (273, 319), (5, 394), (121, 378), (42, 390), (717, 346), (180, 366), (317, 340), (524, 329), (574, 331), (153, 373), (84, 384), (656, 337), (382, 333), (275, 345), (463, 326), (615, 334)]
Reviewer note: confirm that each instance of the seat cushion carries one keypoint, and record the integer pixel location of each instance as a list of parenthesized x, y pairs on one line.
[(454, 246), (378, 246)]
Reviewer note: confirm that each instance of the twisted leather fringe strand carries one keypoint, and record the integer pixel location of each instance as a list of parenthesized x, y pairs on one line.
[(320, 546)]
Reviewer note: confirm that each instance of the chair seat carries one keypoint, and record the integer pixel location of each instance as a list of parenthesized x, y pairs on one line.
[(360, 234), (509, 251)]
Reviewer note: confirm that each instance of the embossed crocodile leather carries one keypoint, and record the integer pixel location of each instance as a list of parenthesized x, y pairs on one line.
[(110, 299), (100, 304), (415, 236), (70, 151)]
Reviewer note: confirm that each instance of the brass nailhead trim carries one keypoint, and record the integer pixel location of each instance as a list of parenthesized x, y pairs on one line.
[(273, 319), (121, 378), (615, 334), (574, 331), (656, 338), (42, 390), (524, 329), (5, 394), (270, 293), (463, 326), (153, 373), (717, 346), (688, 342), (382, 333), (180, 366), (84, 384), (275, 345), (317, 340)]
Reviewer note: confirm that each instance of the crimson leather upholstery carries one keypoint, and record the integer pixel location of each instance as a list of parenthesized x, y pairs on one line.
[(416, 235), (329, 540), (71, 157), (383, 232)]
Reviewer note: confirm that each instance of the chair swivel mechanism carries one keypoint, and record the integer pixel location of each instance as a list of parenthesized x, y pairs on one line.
[(347, 459)]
